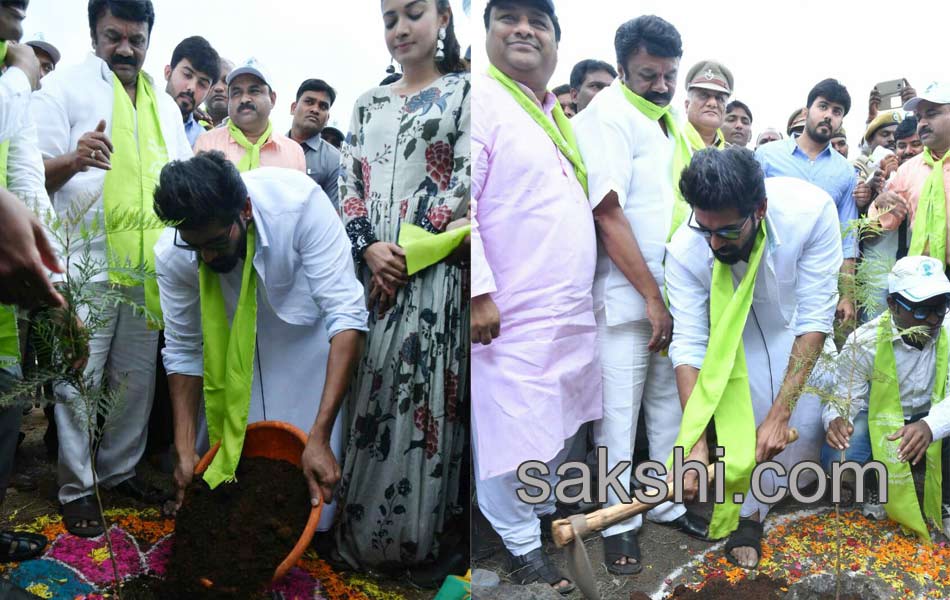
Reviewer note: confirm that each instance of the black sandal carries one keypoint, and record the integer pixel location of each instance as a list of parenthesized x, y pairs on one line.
[(17, 546), (747, 535), (79, 510), (536, 565), (617, 546)]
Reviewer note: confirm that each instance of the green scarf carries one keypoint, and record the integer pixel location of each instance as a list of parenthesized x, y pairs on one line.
[(131, 225), (3, 51), (724, 376), (9, 336), (682, 153), (560, 132), (228, 363), (930, 223), (424, 249), (251, 158), (696, 141), (885, 416)]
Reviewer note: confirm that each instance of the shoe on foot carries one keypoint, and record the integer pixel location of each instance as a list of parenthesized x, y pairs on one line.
[(872, 507)]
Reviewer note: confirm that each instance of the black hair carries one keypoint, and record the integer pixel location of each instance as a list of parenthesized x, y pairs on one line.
[(539, 4), (906, 128), (334, 132), (200, 54), (832, 91), (657, 36), (562, 89), (718, 180), (453, 61), (316, 85), (739, 104), (589, 65), (204, 190), (131, 10), (390, 79)]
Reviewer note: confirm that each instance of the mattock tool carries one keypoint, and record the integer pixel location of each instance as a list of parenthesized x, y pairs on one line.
[(569, 533)]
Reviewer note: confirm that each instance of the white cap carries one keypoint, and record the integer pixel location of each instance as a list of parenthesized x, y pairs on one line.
[(918, 278), (937, 92), (251, 66), (39, 41)]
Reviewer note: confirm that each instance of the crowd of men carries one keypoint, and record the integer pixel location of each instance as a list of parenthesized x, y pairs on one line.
[(101, 138), (698, 279)]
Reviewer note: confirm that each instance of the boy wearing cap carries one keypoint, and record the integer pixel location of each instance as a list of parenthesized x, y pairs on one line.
[(709, 87), (894, 371), (919, 191), (249, 139)]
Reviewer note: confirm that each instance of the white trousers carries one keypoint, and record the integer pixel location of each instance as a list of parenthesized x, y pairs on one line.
[(124, 351), (515, 521), (634, 375)]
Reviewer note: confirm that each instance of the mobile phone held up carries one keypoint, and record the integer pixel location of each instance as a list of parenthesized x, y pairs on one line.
[(890, 92)]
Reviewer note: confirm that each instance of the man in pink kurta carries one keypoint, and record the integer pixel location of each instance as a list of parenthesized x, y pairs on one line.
[(535, 365)]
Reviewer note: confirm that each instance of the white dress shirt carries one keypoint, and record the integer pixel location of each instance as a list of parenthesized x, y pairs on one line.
[(627, 153), (916, 374), (307, 293), (15, 93), (71, 102)]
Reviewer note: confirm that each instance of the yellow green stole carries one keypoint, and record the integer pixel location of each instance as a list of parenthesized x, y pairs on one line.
[(131, 225), (930, 222), (251, 158)]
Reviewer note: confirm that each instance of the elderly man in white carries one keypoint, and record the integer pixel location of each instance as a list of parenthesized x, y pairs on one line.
[(762, 337), (310, 312), (105, 131)]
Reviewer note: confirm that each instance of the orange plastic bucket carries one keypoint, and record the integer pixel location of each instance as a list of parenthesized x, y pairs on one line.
[(279, 441)]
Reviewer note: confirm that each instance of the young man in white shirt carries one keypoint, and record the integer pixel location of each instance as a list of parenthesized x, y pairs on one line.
[(310, 316), (89, 137), (917, 302), (783, 313), (629, 157)]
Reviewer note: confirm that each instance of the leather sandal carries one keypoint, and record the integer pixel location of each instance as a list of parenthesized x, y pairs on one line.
[(617, 546), (79, 510), (17, 546), (747, 535), (534, 566)]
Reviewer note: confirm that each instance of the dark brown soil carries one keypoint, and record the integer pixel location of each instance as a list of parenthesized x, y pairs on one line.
[(236, 535), (760, 588)]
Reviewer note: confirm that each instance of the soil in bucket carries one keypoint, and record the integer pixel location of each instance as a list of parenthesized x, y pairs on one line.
[(236, 535)]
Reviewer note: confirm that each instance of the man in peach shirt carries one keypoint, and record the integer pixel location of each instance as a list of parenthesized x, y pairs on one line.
[(249, 140), (903, 193)]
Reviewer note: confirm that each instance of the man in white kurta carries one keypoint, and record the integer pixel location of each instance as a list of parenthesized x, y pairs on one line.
[(74, 116), (307, 294), (795, 295)]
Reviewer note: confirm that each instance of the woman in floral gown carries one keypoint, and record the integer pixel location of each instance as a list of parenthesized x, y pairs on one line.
[(407, 160)]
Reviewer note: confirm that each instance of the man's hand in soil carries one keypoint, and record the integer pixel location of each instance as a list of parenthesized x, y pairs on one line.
[(915, 439), (839, 432), (320, 469), (184, 473)]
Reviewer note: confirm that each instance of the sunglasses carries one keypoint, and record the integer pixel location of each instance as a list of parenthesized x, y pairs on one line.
[(220, 244), (921, 313), (731, 233)]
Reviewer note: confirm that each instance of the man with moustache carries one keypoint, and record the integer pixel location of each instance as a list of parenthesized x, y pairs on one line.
[(737, 126), (193, 69), (752, 288), (539, 379), (880, 133), (266, 247), (216, 104), (46, 53), (632, 148), (809, 156), (839, 141), (311, 111), (709, 85), (920, 192), (907, 143), (105, 130), (589, 77), (564, 98), (249, 140)]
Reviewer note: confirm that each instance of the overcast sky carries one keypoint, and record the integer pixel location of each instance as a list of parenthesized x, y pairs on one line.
[(776, 50), (339, 41)]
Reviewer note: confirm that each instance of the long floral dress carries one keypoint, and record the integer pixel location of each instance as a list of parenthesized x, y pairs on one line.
[(407, 159)]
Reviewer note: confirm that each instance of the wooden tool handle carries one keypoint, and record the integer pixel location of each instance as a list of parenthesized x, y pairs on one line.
[(598, 520)]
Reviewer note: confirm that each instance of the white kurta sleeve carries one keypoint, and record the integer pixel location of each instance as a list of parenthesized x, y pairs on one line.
[(15, 93), (816, 292), (854, 368), (49, 111), (607, 151), (181, 308), (689, 305), (483, 280), (327, 260)]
